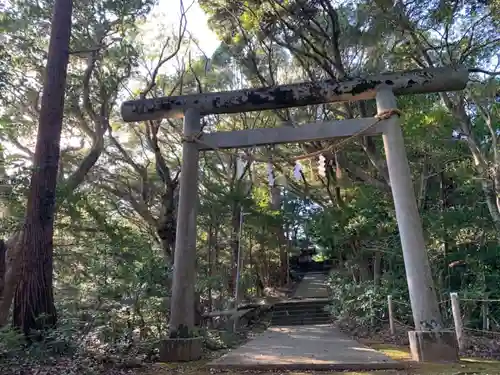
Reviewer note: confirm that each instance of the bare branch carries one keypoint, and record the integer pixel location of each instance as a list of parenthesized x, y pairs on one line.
[(162, 60), (479, 70)]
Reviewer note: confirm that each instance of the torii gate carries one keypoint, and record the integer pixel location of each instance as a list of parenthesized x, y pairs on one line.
[(428, 341)]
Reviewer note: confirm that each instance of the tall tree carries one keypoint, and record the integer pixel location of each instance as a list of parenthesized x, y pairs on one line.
[(104, 57), (34, 300)]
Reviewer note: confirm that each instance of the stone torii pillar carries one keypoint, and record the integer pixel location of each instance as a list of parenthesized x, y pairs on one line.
[(182, 302), (428, 342), (182, 345)]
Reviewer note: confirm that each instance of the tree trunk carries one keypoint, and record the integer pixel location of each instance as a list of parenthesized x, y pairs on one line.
[(34, 299), (215, 265), (210, 247), (492, 201), (11, 275), (167, 223), (3, 250), (377, 269), (5, 188), (264, 259), (364, 270), (489, 185), (250, 255), (443, 198), (235, 243), (275, 203), (422, 188), (5, 191), (283, 252)]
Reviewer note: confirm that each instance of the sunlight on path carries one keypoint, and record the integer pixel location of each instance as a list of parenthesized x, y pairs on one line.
[(313, 285), (304, 347)]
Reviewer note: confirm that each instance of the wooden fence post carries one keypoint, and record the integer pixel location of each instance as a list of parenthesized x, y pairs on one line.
[(391, 316), (485, 315), (457, 319), (372, 313)]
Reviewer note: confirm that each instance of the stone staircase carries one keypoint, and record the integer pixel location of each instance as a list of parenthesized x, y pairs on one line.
[(301, 312)]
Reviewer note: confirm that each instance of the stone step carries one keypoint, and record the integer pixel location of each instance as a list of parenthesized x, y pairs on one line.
[(300, 307), (301, 313), (298, 321), (296, 316), (297, 307), (304, 301), (299, 310)]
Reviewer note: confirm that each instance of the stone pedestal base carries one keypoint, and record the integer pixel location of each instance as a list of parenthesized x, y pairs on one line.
[(181, 350), (433, 346)]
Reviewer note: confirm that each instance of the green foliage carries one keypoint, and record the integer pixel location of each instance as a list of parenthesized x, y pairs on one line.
[(56, 342), (11, 342), (365, 304), (112, 276)]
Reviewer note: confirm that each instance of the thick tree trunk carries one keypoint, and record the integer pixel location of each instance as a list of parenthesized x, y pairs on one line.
[(34, 300)]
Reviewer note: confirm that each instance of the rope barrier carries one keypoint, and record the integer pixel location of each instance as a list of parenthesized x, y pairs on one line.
[(402, 324), (481, 331)]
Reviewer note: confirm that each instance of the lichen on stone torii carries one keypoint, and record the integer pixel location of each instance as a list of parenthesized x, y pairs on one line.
[(297, 95)]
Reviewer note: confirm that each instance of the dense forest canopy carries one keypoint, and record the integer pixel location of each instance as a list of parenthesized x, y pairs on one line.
[(117, 183)]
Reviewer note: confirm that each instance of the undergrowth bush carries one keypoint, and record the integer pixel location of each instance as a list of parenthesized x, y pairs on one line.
[(93, 339), (365, 304)]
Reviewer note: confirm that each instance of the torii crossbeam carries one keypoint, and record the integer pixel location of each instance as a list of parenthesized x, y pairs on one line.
[(296, 95), (429, 340)]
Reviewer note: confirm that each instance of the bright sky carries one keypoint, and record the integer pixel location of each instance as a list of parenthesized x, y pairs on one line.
[(196, 22), (168, 13)]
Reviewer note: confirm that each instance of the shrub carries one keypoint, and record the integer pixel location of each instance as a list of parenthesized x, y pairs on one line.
[(365, 304)]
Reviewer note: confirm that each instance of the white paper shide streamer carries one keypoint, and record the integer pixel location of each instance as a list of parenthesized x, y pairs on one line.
[(240, 167), (297, 171), (270, 174)]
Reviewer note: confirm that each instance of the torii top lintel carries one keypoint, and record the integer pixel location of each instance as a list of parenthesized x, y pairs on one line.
[(297, 95)]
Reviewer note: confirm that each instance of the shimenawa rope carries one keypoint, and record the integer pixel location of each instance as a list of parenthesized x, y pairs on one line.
[(385, 115)]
